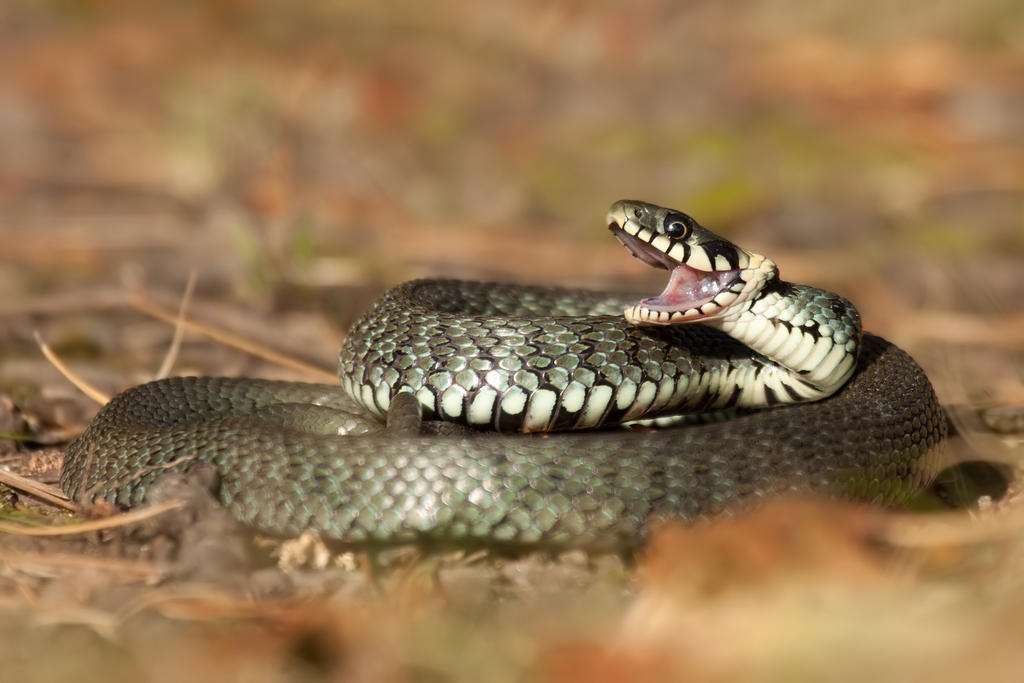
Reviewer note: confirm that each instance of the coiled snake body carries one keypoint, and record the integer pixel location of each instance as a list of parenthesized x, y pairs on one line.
[(295, 457)]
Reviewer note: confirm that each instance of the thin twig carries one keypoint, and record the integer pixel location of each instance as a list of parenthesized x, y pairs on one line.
[(179, 329), (16, 436), (123, 519), (192, 601), (83, 386), (141, 303), (50, 494)]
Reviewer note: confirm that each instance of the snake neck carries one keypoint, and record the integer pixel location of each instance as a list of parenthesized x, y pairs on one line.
[(809, 336), (806, 338), (542, 359)]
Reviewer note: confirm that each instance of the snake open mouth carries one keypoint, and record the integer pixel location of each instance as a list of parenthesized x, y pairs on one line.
[(690, 294)]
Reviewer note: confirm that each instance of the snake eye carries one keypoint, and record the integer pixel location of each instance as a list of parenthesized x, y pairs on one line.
[(677, 229), (638, 213)]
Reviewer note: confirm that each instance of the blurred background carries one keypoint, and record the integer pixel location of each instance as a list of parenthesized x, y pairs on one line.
[(307, 155), (301, 157)]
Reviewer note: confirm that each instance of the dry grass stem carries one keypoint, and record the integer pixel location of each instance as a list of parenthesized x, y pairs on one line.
[(179, 329), (51, 494), (123, 519), (83, 386), (141, 303), (193, 602)]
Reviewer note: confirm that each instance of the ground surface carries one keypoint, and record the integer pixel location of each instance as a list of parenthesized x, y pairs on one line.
[(302, 160)]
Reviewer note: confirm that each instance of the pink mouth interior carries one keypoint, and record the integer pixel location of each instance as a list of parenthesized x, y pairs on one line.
[(690, 288), (687, 287)]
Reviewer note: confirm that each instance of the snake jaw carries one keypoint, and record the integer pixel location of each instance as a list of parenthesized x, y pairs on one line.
[(704, 296), (693, 292), (642, 250), (689, 289)]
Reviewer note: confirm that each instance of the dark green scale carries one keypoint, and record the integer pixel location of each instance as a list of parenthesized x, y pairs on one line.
[(285, 470), (297, 457), (521, 347)]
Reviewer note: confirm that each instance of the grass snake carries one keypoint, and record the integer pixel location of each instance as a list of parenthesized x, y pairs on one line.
[(541, 380)]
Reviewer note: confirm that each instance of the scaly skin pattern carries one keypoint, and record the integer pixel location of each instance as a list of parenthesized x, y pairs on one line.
[(496, 356), (284, 469), (296, 457)]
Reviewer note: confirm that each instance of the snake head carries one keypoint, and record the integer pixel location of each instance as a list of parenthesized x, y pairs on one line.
[(710, 277)]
